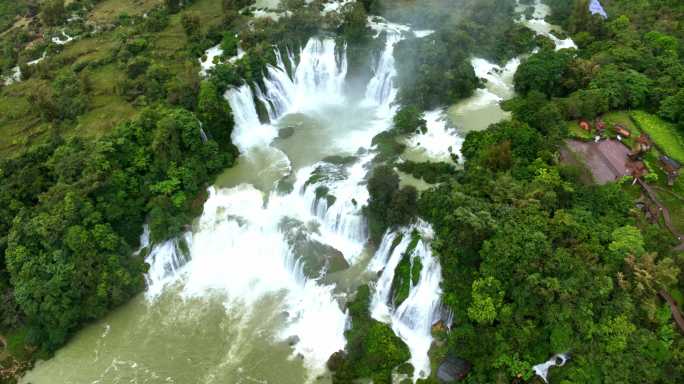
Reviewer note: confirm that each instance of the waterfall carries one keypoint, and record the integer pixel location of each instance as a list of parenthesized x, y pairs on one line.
[(203, 135), (243, 244), (318, 79), (144, 239), (439, 141), (209, 55), (165, 260), (321, 73), (539, 25), (381, 90), (343, 224), (412, 320), (248, 131), (280, 90)]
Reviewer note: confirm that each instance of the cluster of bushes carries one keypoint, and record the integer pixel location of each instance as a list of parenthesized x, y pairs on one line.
[(536, 263), (373, 350), (388, 206), (407, 273)]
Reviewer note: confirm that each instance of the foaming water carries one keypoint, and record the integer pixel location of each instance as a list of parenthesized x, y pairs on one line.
[(483, 109), (438, 143), (208, 61)]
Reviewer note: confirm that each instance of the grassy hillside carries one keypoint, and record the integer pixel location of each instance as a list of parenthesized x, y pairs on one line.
[(92, 56)]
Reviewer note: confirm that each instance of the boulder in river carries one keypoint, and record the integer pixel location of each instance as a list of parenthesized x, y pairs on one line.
[(453, 369), (315, 257), (285, 133), (336, 361), (292, 340)]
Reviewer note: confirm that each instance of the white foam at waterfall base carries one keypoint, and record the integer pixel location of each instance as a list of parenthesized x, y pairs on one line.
[(439, 141), (412, 320), (248, 131), (209, 56), (499, 80)]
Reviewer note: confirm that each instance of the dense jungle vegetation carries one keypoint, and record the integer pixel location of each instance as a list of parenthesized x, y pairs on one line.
[(118, 129), (535, 261)]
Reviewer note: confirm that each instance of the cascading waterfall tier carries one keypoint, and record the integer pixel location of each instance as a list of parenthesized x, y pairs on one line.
[(412, 319)]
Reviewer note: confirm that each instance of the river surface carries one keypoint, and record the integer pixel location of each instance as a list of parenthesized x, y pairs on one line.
[(256, 291)]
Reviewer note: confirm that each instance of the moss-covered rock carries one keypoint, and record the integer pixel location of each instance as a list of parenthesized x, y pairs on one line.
[(316, 258), (407, 272)]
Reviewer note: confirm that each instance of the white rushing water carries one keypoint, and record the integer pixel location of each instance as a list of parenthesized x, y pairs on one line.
[(542, 370), (59, 41), (539, 25), (207, 61), (412, 319), (437, 143), (14, 76)]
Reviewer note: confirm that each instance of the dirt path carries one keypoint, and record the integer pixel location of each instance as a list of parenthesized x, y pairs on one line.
[(676, 313), (661, 189), (665, 212)]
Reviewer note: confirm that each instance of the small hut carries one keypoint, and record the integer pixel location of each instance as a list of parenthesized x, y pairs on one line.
[(600, 126), (453, 369), (622, 130), (642, 144), (637, 169), (585, 125), (670, 167)]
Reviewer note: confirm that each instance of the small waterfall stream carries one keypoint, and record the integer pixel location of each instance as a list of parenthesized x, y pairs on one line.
[(413, 318)]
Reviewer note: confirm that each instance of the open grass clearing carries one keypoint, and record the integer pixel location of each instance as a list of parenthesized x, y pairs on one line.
[(107, 11), (662, 133)]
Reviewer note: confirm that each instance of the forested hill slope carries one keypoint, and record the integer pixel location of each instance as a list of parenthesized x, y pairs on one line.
[(108, 121), (535, 261)]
